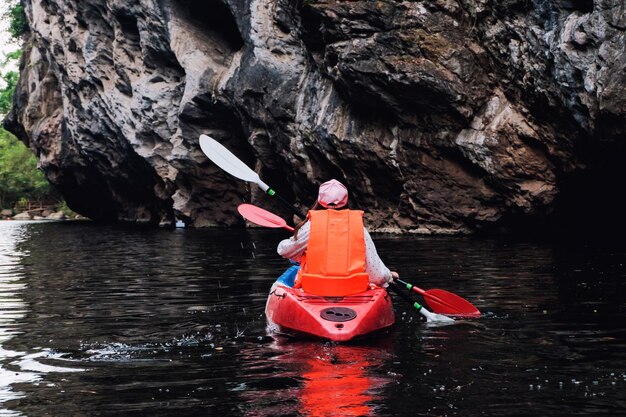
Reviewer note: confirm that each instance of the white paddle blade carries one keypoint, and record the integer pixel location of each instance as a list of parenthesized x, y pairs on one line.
[(436, 318), (224, 159)]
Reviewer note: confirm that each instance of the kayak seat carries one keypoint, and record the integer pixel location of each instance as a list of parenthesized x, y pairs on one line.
[(288, 277)]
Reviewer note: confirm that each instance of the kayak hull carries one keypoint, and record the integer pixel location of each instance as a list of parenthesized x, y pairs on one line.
[(295, 313)]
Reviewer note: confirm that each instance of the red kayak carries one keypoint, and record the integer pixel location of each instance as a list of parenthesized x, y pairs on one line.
[(293, 312)]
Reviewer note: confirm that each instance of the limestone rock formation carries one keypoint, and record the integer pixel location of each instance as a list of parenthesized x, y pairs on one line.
[(442, 116)]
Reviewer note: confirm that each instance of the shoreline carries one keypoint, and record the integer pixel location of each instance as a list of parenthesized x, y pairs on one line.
[(38, 214)]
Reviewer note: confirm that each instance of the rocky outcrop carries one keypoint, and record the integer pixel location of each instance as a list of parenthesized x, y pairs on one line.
[(35, 214), (442, 116)]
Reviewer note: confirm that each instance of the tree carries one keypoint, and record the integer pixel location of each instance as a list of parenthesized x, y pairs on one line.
[(19, 176), (18, 25), (6, 94)]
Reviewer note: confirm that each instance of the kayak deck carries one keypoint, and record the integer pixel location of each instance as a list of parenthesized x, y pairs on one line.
[(295, 313)]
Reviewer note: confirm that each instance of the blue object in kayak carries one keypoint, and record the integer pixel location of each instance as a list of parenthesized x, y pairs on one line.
[(289, 276)]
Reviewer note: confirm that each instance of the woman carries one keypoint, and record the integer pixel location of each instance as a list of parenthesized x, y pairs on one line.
[(336, 253)]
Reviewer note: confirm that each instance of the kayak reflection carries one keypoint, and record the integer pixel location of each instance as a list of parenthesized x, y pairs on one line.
[(338, 379)]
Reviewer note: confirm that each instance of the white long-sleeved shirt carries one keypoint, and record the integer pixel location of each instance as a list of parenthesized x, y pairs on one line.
[(378, 273)]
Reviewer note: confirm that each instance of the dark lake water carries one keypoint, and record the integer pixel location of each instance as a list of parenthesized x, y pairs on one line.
[(100, 320)]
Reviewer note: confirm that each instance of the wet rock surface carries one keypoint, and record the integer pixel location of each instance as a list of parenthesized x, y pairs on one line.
[(442, 117)]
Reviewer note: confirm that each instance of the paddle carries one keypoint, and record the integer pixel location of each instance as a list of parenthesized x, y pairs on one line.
[(262, 217), (444, 302), (225, 159), (430, 317)]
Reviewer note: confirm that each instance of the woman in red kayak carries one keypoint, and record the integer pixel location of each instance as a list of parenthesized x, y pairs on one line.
[(336, 253)]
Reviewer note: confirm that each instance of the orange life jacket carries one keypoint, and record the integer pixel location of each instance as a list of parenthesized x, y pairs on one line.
[(334, 261)]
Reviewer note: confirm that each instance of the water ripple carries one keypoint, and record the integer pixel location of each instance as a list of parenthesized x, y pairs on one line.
[(162, 322)]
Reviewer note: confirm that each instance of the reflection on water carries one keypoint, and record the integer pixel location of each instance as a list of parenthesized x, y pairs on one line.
[(12, 309), (106, 321), (18, 367), (337, 379), (314, 379)]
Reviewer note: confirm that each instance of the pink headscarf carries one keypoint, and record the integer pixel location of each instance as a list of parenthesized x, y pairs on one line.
[(333, 194)]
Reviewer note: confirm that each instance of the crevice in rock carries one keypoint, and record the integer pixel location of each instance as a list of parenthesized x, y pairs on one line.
[(93, 17), (128, 24), (158, 59), (611, 128), (214, 19), (583, 6), (472, 169)]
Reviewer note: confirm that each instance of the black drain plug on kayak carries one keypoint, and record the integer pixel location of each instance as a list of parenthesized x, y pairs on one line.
[(338, 314)]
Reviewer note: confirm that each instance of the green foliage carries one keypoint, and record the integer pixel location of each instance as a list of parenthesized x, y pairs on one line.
[(6, 93), (12, 56), (19, 176), (18, 25), (20, 180), (8, 82), (66, 210)]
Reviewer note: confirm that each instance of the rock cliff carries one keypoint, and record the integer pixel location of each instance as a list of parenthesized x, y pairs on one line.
[(442, 116)]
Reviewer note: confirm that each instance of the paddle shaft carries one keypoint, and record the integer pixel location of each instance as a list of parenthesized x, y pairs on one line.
[(430, 316), (396, 290), (286, 203)]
